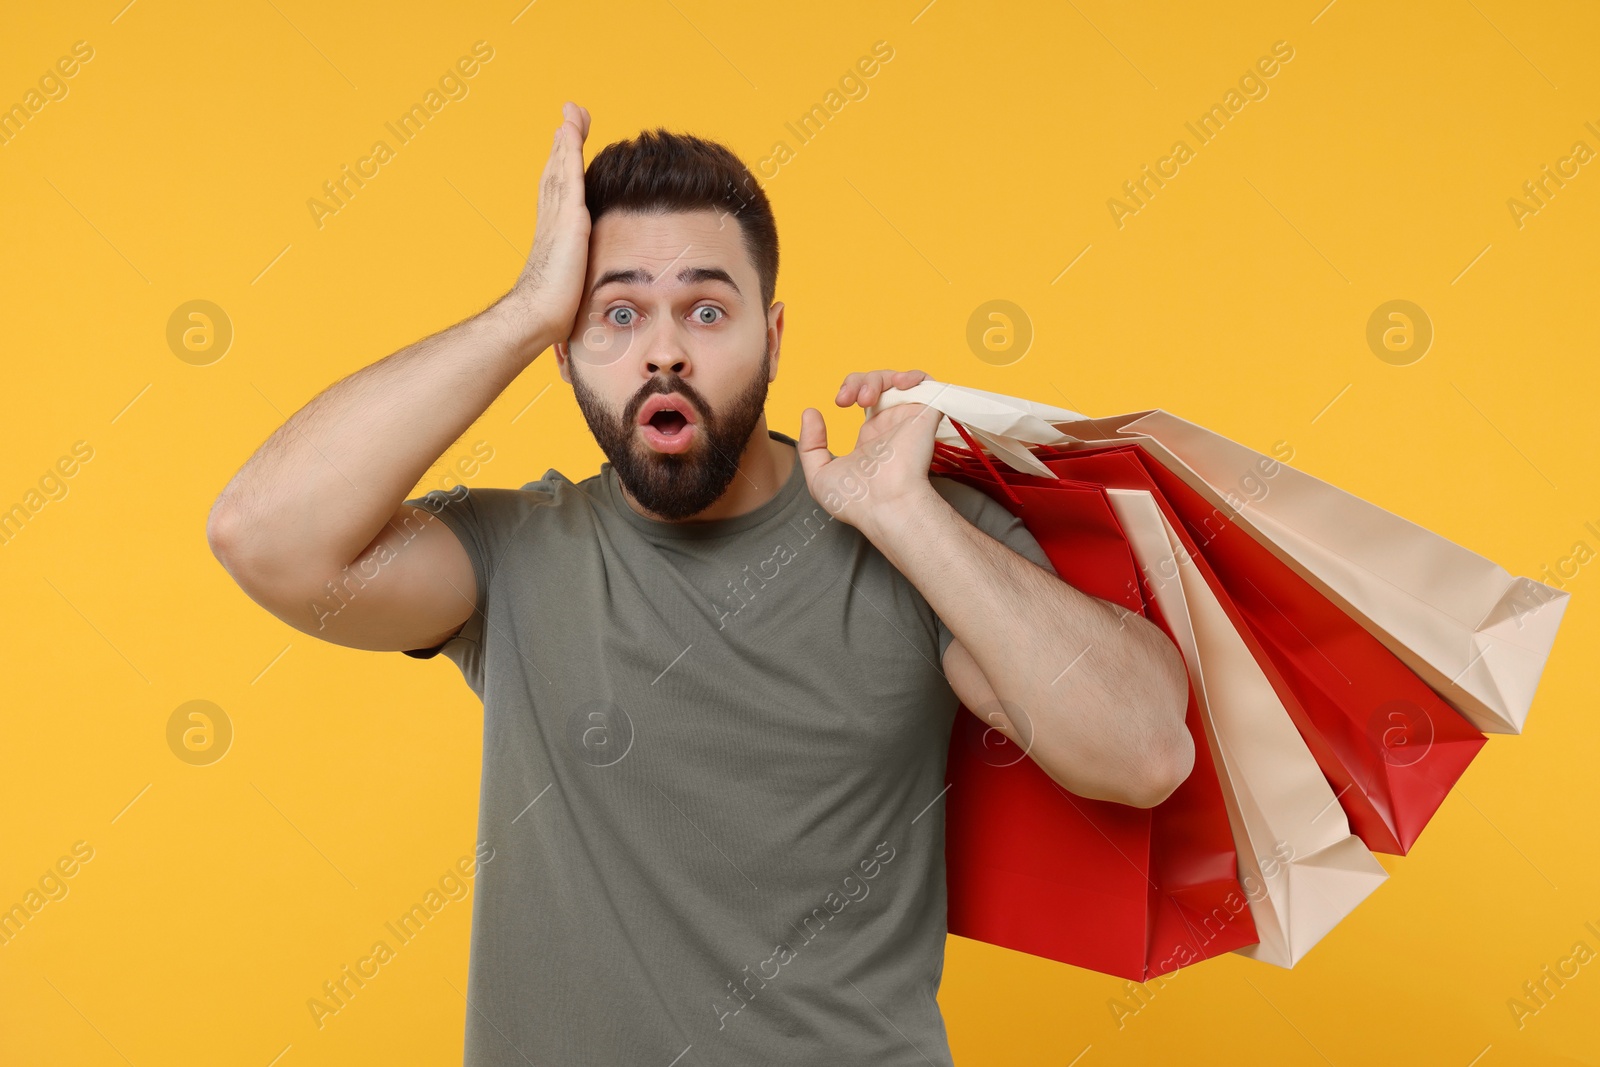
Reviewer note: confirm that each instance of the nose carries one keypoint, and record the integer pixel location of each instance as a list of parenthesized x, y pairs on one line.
[(674, 364), (664, 351)]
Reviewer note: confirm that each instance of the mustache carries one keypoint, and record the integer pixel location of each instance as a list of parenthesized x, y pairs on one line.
[(672, 383), (668, 383)]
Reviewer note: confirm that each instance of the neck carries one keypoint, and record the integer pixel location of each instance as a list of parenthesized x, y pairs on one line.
[(764, 467)]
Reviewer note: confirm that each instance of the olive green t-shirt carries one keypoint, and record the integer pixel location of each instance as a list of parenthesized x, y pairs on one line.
[(713, 772)]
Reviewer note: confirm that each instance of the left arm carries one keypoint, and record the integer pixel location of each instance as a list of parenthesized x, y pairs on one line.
[(1095, 694)]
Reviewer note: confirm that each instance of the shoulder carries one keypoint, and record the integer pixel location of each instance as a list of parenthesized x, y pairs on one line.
[(553, 488), (503, 506)]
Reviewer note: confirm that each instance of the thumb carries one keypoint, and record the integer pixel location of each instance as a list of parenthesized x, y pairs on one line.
[(813, 442)]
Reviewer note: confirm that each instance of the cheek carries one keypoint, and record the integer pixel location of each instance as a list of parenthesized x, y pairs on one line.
[(608, 389), (600, 348)]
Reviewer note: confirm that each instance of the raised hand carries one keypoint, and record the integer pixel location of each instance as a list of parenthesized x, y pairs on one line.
[(550, 287), (889, 464)]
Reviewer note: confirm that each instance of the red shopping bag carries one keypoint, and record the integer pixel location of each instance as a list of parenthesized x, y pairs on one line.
[(1389, 746), (1370, 721), (1127, 891)]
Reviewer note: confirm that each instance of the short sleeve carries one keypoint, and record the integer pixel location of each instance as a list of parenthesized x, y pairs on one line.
[(990, 516), (486, 522)]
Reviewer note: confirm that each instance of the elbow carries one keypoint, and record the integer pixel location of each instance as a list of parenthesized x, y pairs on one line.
[(230, 538), (1170, 760), (219, 529), (1167, 772), (223, 535)]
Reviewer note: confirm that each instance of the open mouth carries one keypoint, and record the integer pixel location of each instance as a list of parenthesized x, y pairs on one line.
[(668, 422)]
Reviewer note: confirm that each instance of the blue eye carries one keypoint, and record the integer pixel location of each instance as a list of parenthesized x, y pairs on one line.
[(625, 311), (710, 307)]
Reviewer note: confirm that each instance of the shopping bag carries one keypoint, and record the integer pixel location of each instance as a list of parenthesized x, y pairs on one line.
[(1300, 866), (1122, 890), (1391, 748), (1303, 869), (1388, 745), (1473, 633)]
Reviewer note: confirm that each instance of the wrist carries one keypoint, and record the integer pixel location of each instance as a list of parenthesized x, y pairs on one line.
[(525, 325), (909, 514)]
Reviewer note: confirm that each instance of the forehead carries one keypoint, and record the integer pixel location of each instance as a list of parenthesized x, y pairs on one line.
[(670, 242)]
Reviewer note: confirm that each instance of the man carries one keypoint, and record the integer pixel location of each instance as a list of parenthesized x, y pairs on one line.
[(719, 677)]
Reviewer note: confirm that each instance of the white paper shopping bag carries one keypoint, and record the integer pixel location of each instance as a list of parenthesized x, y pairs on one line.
[(1478, 636), (1302, 869)]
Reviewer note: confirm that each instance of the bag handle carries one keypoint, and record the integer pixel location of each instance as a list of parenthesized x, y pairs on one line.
[(973, 445), (1008, 425)]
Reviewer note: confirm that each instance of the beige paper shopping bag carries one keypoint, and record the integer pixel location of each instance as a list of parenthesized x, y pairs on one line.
[(1474, 633), (1301, 867)]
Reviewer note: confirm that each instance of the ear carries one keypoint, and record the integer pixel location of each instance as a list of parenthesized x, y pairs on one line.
[(563, 359), (775, 337)]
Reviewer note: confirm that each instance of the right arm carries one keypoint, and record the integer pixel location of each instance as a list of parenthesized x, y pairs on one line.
[(325, 493)]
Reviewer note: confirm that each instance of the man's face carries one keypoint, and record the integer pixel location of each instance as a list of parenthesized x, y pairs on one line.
[(672, 308)]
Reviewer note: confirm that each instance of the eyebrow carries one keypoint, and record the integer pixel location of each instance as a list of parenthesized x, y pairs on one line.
[(686, 276)]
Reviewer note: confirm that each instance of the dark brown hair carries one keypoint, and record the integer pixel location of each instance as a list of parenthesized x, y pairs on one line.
[(661, 171)]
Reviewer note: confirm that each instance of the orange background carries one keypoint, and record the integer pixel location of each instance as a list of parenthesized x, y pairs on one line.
[(976, 164)]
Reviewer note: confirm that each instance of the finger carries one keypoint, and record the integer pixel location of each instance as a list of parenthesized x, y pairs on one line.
[(555, 151), (874, 387), (813, 442), (899, 379), (577, 118), (570, 157), (859, 384), (847, 391), (886, 380), (558, 147), (553, 176)]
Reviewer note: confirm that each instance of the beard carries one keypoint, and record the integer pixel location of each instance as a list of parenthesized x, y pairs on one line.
[(678, 485)]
